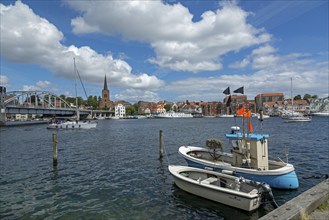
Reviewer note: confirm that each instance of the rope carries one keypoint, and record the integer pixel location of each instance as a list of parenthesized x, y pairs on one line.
[(166, 155)]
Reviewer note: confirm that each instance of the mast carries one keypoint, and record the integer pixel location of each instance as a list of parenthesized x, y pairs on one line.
[(76, 93), (292, 100)]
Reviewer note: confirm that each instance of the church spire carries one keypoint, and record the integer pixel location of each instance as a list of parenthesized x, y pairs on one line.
[(105, 83)]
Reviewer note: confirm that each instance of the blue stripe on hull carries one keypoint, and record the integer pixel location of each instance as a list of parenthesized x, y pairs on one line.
[(284, 181)]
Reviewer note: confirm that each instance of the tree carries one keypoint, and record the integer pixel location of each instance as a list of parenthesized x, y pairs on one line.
[(307, 96), (167, 107), (92, 101), (298, 97), (130, 110)]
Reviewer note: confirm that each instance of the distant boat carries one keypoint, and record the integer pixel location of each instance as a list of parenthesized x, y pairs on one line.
[(57, 124), (295, 117), (172, 114), (77, 124), (321, 113), (225, 116), (226, 189)]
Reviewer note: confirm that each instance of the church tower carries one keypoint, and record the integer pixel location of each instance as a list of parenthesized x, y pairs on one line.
[(105, 101)]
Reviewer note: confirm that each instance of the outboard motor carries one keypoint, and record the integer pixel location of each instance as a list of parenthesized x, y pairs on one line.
[(267, 194)]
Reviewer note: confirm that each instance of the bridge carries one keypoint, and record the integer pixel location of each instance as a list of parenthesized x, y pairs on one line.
[(40, 103)]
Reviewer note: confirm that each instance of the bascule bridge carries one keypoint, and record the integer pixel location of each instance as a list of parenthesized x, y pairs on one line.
[(43, 103)]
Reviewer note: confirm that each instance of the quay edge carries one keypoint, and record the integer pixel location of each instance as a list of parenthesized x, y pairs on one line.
[(304, 204)]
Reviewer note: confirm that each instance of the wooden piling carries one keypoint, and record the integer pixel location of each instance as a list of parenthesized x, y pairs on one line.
[(161, 145), (55, 149)]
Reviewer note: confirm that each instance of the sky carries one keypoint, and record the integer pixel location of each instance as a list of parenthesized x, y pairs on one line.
[(165, 50)]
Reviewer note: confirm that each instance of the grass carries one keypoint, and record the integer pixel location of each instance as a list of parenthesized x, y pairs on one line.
[(324, 206)]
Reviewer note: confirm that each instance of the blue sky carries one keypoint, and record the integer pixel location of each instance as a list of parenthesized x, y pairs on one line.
[(166, 50)]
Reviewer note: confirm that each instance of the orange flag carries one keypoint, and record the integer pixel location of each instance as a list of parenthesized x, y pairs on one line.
[(247, 114), (240, 111), (250, 126)]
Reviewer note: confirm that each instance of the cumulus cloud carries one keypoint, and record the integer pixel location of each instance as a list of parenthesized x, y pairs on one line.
[(135, 95), (4, 81), (307, 73), (39, 86), (179, 43), (28, 38)]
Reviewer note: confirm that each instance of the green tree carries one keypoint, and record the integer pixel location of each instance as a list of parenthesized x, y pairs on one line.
[(130, 110), (135, 107), (315, 96), (167, 107), (298, 97), (307, 96), (92, 101)]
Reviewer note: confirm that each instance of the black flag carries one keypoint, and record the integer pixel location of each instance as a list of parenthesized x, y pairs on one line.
[(227, 91), (239, 90), (228, 102)]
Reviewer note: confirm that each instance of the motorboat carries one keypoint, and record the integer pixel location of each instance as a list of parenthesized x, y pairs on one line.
[(237, 192), (57, 124), (172, 114), (248, 158)]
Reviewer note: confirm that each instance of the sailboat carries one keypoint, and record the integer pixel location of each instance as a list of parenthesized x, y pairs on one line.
[(76, 124), (295, 116)]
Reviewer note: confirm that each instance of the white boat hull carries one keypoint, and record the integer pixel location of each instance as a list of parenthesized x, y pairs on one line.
[(214, 188), (72, 125), (173, 115), (297, 119)]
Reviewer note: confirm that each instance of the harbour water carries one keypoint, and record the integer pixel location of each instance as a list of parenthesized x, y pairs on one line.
[(114, 171)]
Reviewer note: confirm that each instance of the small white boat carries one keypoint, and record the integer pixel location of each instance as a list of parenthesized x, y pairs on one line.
[(295, 116), (321, 113), (172, 114), (72, 125), (225, 116), (300, 118), (233, 191), (76, 124)]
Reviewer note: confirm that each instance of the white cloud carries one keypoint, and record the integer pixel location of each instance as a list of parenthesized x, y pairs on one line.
[(179, 43), (239, 65), (135, 95), (4, 81), (28, 38), (39, 86), (309, 76)]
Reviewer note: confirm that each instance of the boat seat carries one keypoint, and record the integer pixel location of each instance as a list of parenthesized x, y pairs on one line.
[(209, 180)]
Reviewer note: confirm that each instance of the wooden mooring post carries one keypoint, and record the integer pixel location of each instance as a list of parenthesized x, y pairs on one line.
[(161, 145), (55, 149)]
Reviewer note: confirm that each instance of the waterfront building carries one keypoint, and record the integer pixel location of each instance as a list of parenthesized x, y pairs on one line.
[(270, 103), (319, 105), (120, 111), (146, 107), (210, 108), (160, 108), (105, 102)]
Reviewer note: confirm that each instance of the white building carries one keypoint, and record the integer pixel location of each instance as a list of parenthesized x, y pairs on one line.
[(120, 111)]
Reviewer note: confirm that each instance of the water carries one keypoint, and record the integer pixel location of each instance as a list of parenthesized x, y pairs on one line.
[(113, 172)]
